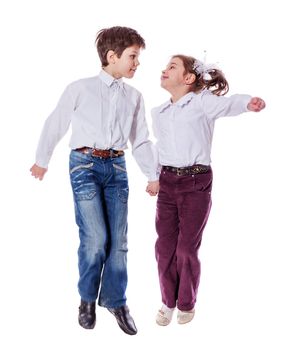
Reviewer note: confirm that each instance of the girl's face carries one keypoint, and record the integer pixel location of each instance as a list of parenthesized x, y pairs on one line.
[(173, 75)]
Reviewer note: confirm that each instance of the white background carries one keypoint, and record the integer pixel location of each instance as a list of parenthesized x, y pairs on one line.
[(243, 300)]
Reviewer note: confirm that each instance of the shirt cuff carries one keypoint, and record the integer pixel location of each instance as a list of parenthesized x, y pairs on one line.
[(41, 163), (153, 177), (246, 100)]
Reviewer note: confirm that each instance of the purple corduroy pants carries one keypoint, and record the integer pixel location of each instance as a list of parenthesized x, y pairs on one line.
[(183, 207)]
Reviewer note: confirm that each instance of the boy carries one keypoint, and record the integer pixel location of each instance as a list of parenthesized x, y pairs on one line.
[(105, 112)]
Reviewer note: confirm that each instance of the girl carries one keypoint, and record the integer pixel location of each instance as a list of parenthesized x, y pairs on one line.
[(184, 128)]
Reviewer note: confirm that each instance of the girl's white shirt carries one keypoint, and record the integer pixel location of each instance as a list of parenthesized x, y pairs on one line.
[(184, 129)]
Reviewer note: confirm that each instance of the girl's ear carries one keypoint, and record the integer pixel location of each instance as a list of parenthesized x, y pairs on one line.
[(111, 57), (190, 78)]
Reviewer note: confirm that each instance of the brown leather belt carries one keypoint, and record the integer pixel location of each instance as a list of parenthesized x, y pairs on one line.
[(101, 153), (190, 170)]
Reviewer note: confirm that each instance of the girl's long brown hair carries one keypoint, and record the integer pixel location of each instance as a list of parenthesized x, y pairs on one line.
[(218, 84)]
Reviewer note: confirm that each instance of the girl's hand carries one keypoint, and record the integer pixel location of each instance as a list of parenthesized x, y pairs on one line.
[(38, 172), (256, 104), (152, 188)]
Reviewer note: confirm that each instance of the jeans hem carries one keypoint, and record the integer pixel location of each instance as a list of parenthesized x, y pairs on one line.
[(186, 308), (169, 305), (88, 299), (111, 306)]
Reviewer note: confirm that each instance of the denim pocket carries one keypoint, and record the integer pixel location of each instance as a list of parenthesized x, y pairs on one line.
[(121, 180), (81, 166), (119, 167), (82, 178)]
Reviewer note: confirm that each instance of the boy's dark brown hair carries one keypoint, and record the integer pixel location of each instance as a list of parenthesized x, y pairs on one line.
[(218, 84), (117, 39)]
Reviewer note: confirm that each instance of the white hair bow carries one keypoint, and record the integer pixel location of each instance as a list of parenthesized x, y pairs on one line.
[(203, 68)]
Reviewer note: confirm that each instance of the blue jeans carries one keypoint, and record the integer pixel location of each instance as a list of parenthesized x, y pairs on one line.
[(100, 190)]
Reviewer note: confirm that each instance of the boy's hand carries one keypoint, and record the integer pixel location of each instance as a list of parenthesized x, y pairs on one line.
[(256, 104), (38, 172), (152, 188)]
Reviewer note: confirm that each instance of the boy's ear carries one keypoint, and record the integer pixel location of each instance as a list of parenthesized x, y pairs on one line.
[(190, 78), (111, 57)]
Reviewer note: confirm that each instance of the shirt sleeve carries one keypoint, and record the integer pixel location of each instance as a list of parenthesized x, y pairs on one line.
[(142, 147), (220, 106), (155, 133), (55, 127)]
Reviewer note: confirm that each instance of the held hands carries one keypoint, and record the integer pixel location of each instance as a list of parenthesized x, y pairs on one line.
[(256, 104), (152, 187), (38, 172)]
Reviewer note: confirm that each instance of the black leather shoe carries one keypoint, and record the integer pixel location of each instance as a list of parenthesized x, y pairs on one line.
[(87, 314), (124, 319)]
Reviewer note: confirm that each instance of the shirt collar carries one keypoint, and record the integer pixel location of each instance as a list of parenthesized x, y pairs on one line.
[(184, 100), (109, 80)]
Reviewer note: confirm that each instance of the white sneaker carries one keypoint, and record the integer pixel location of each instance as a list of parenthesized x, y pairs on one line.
[(185, 316), (164, 315)]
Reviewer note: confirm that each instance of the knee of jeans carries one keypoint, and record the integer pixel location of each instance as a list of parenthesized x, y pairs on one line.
[(92, 244), (166, 245), (121, 246), (92, 253), (187, 250), (118, 259)]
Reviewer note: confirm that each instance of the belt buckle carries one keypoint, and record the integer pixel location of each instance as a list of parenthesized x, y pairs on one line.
[(113, 153), (179, 172)]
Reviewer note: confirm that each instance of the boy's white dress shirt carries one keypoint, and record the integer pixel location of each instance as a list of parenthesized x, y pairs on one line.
[(104, 114), (184, 129)]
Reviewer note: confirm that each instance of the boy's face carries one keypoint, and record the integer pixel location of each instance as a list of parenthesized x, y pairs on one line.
[(126, 65), (173, 75)]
